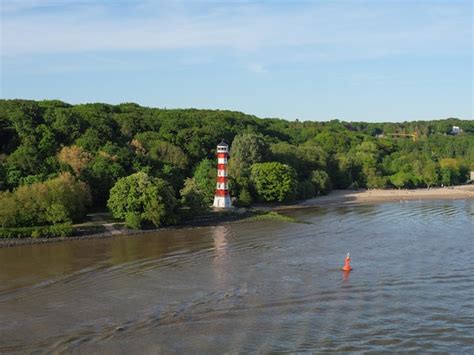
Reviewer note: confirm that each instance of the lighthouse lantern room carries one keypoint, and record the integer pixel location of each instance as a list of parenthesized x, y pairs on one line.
[(221, 197)]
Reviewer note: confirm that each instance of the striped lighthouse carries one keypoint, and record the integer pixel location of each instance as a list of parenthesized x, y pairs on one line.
[(221, 197)]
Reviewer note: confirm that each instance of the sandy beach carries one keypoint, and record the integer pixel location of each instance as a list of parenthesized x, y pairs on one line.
[(377, 195)]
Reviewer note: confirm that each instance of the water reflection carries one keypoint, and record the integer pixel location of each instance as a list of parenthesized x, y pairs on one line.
[(252, 287), (219, 236), (345, 275)]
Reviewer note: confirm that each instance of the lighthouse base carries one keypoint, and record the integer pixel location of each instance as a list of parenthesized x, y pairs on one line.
[(222, 202)]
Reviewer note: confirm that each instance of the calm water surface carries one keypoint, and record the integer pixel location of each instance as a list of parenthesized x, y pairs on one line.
[(259, 286)]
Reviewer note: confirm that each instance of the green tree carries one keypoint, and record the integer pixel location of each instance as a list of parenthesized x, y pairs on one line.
[(143, 199), (168, 153), (321, 181), (367, 156), (430, 174), (146, 140), (101, 174), (375, 179), (343, 169), (273, 181), (205, 179), (62, 199), (305, 189), (47, 141), (91, 140), (173, 175), (303, 158), (70, 192), (247, 148), (333, 140), (66, 124), (450, 171), (446, 176), (24, 159), (193, 197), (400, 179)]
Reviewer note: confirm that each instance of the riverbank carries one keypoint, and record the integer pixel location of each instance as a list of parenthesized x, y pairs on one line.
[(347, 197), (103, 227)]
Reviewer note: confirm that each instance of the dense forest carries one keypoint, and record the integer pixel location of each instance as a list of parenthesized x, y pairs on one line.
[(155, 166)]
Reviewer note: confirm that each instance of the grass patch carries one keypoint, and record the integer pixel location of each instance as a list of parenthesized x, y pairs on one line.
[(271, 216)]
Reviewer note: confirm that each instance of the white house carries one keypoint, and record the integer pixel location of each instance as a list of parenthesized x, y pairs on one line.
[(456, 130)]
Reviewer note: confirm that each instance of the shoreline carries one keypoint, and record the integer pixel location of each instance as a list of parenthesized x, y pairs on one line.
[(363, 196), (334, 198), (110, 232)]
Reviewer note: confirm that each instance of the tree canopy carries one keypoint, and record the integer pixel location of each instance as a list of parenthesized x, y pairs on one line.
[(99, 144), (140, 199), (273, 181)]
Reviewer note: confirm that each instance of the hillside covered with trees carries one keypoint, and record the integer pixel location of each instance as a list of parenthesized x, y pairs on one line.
[(155, 166)]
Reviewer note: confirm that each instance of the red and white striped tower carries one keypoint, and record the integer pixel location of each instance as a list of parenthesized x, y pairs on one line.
[(221, 197)]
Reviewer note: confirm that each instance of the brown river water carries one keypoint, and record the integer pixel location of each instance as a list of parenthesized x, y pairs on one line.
[(262, 286)]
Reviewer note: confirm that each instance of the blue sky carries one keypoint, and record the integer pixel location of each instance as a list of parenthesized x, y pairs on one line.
[(309, 60)]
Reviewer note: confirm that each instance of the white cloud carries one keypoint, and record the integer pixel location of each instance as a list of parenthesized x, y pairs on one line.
[(332, 30), (12, 7)]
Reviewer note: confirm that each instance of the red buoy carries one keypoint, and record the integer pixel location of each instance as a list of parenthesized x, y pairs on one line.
[(347, 263)]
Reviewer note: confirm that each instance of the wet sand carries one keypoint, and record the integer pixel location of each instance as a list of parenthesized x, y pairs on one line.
[(377, 195)]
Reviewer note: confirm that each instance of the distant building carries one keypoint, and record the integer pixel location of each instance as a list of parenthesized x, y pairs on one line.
[(472, 176), (456, 130)]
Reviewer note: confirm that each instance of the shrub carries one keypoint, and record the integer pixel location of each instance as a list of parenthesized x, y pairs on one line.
[(245, 198), (57, 230)]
